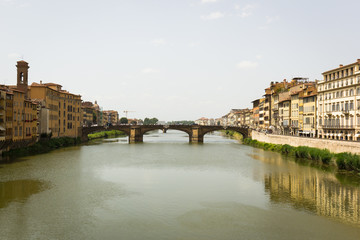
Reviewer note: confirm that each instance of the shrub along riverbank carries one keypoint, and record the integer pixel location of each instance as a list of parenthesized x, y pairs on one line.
[(233, 134), (343, 161), (105, 134), (42, 146)]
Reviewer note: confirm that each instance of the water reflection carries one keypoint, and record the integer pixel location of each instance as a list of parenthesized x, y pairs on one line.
[(319, 193), (19, 190)]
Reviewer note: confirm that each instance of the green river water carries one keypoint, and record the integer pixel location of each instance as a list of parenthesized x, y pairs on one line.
[(166, 188)]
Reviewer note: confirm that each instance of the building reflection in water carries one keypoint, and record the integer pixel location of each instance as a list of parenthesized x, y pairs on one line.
[(310, 189)]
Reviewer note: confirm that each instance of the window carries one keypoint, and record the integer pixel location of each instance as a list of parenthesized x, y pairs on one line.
[(21, 77)]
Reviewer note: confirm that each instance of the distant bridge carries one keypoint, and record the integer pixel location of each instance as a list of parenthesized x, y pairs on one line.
[(136, 132)]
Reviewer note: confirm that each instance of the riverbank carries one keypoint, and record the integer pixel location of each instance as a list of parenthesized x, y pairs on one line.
[(42, 146), (106, 134), (335, 146), (343, 161), (233, 134)]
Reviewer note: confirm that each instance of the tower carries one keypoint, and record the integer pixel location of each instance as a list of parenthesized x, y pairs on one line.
[(22, 76)]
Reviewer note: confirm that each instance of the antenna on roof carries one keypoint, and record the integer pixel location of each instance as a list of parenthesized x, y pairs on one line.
[(22, 57)]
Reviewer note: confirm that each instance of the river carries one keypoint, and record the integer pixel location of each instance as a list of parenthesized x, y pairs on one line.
[(166, 188)]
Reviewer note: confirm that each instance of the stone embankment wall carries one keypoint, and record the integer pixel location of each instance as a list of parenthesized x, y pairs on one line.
[(10, 144), (334, 146)]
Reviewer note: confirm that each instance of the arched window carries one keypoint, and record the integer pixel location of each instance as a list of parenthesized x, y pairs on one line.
[(21, 77)]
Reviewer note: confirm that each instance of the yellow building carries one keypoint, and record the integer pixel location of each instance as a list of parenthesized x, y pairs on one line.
[(261, 113), (24, 112), (91, 113), (2, 115), (284, 104), (309, 111), (60, 113), (9, 115)]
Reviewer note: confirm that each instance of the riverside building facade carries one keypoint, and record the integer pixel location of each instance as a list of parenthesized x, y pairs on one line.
[(60, 111), (339, 103)]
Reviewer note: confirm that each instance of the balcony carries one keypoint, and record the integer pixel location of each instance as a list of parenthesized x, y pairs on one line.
[(345, 111), (337, 126)]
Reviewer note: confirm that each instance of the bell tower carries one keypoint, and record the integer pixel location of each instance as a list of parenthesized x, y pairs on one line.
[(22, 76)]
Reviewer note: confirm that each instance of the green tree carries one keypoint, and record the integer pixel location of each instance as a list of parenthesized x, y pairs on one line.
[(124, 120), (150, 121)]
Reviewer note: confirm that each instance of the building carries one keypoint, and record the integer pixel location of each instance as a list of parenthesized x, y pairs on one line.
[(309, 97), (267, 108), (60, 110), (9, 115), (338, 103), (284, 112), (255, 110), (262, 113), (110, 117), (202, 121), (3, 114), (91, 114)]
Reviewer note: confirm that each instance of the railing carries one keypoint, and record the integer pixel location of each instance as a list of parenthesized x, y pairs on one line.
[(345, 111), (338, 126), (328, 112)]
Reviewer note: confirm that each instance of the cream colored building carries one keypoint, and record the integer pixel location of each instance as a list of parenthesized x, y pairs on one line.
[(309, 96), (339, 103), (110, 117), (262, 113), (284, 112)]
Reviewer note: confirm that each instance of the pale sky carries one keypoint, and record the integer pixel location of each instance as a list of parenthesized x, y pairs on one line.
[(175, 59)]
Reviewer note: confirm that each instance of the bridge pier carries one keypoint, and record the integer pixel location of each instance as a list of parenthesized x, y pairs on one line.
[(135, 135), (196, 139), (196, 136)]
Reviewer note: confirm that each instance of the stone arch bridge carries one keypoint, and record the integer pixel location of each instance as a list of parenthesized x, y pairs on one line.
[(136, 132)]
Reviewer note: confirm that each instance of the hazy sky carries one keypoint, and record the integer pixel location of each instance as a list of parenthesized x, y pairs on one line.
[(175, 59)]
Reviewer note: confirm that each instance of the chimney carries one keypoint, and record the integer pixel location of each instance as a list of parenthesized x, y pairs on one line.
[(341, 65), (40, 81)]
